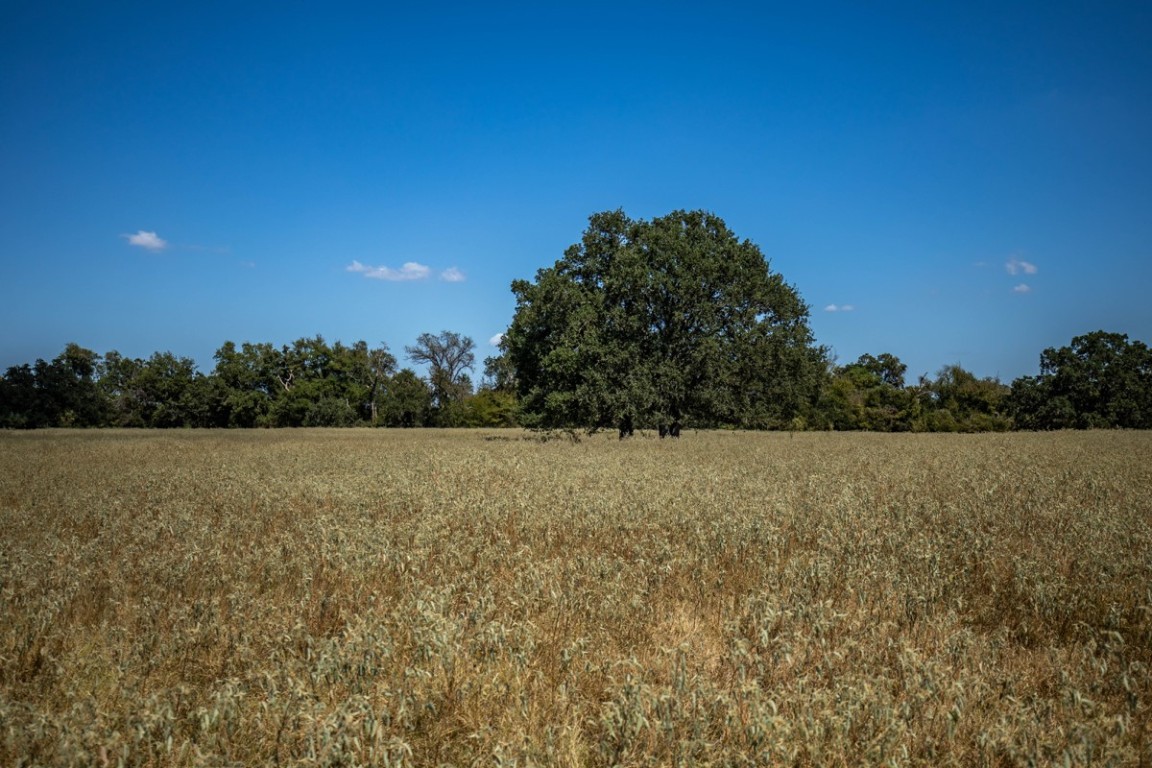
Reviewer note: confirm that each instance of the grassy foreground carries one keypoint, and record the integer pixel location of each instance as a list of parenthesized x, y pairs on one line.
[(373, 597)]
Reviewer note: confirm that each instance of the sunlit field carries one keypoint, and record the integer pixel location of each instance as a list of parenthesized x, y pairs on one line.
[(425, 598)]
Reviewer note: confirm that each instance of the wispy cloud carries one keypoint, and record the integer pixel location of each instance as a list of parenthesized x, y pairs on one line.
[(153, 242), (411, 270), (147, 240), (1017, 266), (839, 308), (452, 275), (1022, 288), (495, 340)]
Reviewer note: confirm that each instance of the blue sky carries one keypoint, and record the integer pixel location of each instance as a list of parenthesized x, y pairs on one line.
[(964, 182)]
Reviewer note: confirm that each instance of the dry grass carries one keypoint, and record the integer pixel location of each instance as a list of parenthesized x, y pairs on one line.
[(469, 598)]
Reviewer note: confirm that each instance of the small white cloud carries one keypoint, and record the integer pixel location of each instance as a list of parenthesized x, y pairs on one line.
[(1017, 266), (839, 308), (495, 340), (409, 271), (452, 275), (1022, 288), (148, 240)]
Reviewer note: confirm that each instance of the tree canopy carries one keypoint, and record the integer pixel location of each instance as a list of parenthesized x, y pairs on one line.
[(647, 322), (1100, 380), (448, 355)]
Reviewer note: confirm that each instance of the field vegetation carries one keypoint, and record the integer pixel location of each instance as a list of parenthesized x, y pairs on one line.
[(425, 598)]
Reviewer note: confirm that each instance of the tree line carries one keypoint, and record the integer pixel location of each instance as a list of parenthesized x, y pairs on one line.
[(641, 324), (1101, 380), (308, 383)]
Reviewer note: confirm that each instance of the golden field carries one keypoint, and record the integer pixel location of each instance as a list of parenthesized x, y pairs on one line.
[(427, 598)]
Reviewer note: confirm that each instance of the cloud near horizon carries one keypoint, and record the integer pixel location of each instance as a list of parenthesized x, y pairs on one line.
[(147, 240), (411, 270)]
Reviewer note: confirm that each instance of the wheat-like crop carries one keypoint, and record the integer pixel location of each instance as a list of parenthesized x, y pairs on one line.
[(426, 598)]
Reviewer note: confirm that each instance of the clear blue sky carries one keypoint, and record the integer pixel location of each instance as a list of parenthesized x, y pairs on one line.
[(961, 182)]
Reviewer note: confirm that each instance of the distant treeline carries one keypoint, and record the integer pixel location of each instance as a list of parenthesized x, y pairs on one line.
[(309, 383), (1101, 380)]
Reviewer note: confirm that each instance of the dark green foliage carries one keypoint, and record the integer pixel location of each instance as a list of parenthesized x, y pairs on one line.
[(869, 395), (406, 402), (62, 393), (162, 391), (960, 402), (20, 400), (644, 322), (579, 354), (248, 376), (307, 383), (886, 368), (1100, 380)]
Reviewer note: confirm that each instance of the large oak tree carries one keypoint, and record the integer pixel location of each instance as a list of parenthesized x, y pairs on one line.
[(646, 322)]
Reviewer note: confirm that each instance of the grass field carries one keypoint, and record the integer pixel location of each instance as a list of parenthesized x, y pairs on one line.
[(386, 597)]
